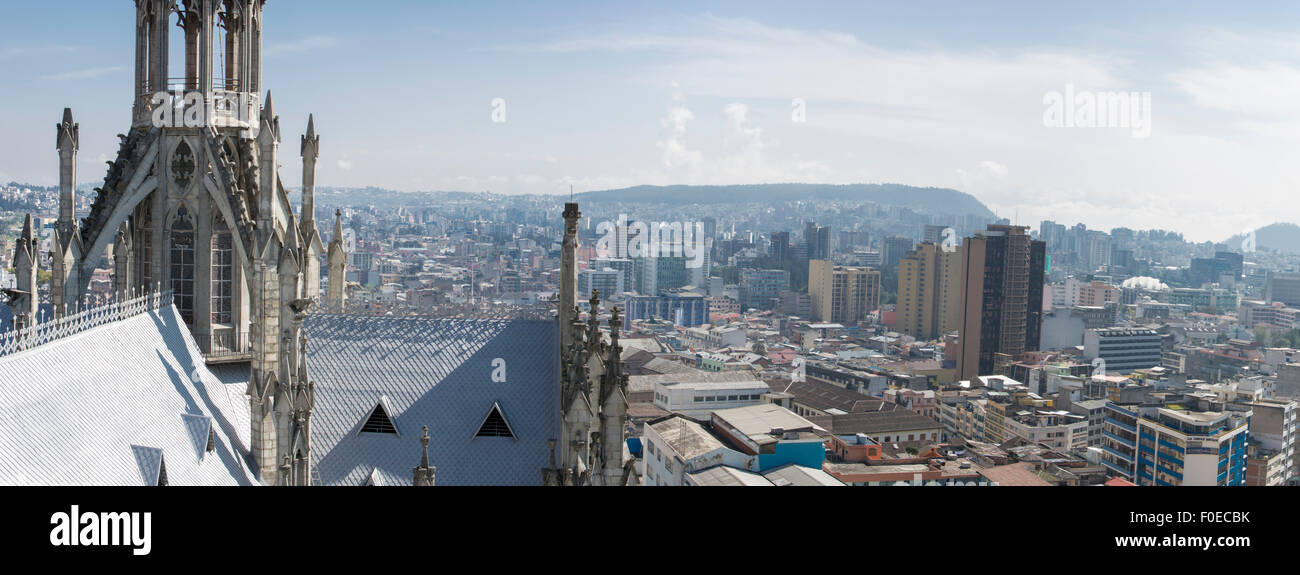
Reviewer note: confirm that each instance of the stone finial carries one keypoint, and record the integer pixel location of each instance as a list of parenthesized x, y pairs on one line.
[(69, 133), (424, 474)]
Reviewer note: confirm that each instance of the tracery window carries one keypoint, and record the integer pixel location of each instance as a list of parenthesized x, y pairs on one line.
[(182, 264), (222, 273)]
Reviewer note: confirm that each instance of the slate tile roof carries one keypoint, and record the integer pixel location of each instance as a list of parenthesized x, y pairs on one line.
[(113, 404), (434, 372)]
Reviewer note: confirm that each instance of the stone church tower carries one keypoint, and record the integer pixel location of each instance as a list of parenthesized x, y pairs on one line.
[(193, 204), (593, 392)]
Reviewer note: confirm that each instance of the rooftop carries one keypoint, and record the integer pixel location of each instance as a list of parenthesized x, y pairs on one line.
[(873, 422), (686, 437), (723, 476), (434, 372), (758, 421), (1014, 474), (118, 403)]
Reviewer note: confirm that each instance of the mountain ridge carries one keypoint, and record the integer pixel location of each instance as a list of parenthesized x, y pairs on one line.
[(935, 200)]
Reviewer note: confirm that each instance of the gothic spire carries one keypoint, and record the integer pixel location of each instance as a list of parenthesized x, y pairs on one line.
[(310, 153)]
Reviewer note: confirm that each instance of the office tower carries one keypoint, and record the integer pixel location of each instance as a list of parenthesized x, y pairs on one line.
[(700, 266), (818, 239), (933, 233), (663, 272), (851, 239), (929, 291), (626, 269), (1053, 234), (607, 281), (842, 294), (1096, 250), (710, 227), (1002, 293), (1283, 287), (761, 289), (779, 249), (894, 248)]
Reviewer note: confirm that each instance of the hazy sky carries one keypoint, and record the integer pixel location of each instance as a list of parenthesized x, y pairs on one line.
[(596, 95)]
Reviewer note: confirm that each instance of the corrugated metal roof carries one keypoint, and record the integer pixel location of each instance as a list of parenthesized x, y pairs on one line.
[(434, 372), (798, 475), (98, 407)]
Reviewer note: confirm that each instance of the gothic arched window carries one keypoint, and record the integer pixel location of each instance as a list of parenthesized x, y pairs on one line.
[(182, 264), (223, 277), (144, 239)]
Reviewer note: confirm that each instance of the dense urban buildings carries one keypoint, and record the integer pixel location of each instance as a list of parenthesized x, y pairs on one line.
[(255, 332)]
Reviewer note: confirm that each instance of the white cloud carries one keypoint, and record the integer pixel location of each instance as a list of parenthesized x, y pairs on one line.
[(676, 154), (933, 116), (302, 45), (85, 74), (345, 165)]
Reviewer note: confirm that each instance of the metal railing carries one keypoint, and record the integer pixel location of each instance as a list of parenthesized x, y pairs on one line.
[(224, 344), (72, 322)]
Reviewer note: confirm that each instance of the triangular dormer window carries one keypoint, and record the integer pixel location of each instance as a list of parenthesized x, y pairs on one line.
[(495, 424), (380, 419)]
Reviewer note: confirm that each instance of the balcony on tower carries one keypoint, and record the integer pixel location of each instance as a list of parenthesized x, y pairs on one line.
[(200, 62)]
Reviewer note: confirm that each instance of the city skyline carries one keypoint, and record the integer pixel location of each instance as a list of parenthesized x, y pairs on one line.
[(622, 96)]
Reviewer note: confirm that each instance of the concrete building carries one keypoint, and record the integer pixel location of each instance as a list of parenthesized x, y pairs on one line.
[(818, 240), (893, 249), (761, 289), (772, 433), (699, 399), (1186, 441), (607, 281), (900, 428), (1002, 292), (841, 294), (687, 308), (929, 292), (779, 246), (1272, 315), (1283, 288), (716, 337), (1123, 349), (676, 446), (626, 269), (1059, 430), (1094, 412), (1273, 439)]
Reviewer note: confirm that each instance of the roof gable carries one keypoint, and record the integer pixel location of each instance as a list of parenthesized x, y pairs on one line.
[(434, 372)]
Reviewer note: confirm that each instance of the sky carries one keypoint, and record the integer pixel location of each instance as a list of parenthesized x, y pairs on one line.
[(409, 95)]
